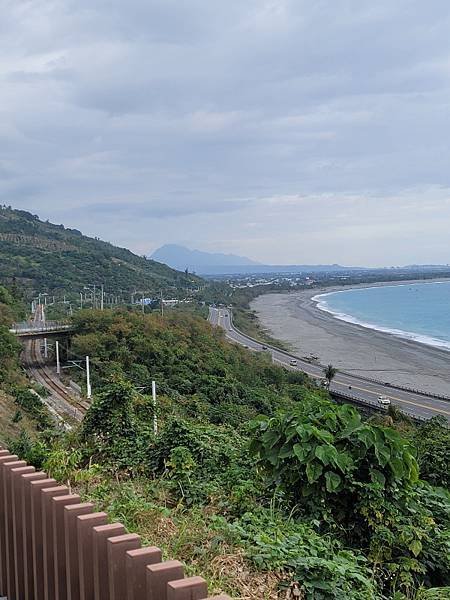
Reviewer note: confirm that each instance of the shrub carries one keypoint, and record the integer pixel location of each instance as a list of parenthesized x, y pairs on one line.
[(361, 481), (432, 440), (31, 403), (322, 567)]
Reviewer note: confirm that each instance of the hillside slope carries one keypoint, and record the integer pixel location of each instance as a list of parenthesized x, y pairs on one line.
[(43, 256)]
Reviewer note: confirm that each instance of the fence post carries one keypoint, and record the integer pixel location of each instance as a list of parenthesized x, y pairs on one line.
[(136, 564), (17, 572), (99, 536), (36, 532), (38, 528), (47, 537), (5, 458), (159, 575), (27, 545), (117, 547), (192, 588), (85, 523), (71, 513), (9, 544), (58, 504)]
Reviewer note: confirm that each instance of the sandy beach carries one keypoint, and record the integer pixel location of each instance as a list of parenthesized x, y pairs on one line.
[(295, 319)]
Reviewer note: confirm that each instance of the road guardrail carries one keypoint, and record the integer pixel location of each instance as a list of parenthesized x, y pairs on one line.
[(350, 397), (370, 379)]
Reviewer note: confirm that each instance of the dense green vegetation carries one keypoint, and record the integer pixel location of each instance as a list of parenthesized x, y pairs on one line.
[(308, 496), (199, 374), (432, 443), (9, 347), (41, 256), (19, 405)]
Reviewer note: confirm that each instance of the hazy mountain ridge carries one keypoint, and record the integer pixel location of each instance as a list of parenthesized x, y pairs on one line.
[(180, 257), (209, 263)]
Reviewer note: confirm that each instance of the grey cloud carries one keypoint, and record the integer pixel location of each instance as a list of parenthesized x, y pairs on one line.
[(190, 115), (124, 208)]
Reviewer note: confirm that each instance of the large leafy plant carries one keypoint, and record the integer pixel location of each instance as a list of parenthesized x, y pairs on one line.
[(360, 481), (325, 451)]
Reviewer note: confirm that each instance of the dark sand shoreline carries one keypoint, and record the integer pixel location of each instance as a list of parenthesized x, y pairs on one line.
[(295, 319)]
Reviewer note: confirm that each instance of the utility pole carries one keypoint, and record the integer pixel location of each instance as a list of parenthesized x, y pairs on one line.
[(45, 348), (81, 300), (143, 307), (162, 305), (95, 298), (155, 417), (88, 379), (58, 367), (101, 300)]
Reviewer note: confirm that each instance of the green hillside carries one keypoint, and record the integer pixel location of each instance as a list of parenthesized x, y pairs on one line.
[(41, 256)]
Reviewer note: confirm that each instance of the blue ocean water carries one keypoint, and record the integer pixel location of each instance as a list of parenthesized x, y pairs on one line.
[(419, 311)]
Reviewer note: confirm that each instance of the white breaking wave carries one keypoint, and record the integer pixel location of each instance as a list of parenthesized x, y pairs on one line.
[(408, 335)]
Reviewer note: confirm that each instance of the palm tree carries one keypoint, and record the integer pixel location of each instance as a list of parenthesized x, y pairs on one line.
[(329, 372)]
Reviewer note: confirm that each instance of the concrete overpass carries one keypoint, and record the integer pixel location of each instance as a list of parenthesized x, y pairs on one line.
[(34, 330)]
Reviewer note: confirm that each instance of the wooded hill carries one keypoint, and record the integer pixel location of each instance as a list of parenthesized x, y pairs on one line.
[(39, 256)]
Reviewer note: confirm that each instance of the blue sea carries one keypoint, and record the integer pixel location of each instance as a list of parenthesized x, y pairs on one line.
[(419, 311)]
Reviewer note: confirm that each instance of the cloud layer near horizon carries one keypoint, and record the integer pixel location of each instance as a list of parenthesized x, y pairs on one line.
[(287, 130)]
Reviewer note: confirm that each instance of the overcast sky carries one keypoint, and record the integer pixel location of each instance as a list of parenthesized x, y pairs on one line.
[(291, 131)]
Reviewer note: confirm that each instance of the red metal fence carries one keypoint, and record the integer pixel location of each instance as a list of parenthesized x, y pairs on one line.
[(55, 547)]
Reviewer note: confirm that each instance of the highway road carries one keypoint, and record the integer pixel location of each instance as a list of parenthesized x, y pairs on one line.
[(416, 404)]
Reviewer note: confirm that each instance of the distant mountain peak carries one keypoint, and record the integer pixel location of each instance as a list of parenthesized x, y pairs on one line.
[(180, 257)]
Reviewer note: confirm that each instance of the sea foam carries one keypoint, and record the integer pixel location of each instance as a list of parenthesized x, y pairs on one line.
[(322, 304)]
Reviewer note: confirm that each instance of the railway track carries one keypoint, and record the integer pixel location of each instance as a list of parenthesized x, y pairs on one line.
[(62, 402)]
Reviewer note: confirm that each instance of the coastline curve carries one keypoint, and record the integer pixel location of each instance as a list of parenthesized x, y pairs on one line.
[(411, 336)]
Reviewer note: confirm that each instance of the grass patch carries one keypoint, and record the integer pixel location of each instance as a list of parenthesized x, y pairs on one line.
[(246, 320), (196, 536)]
